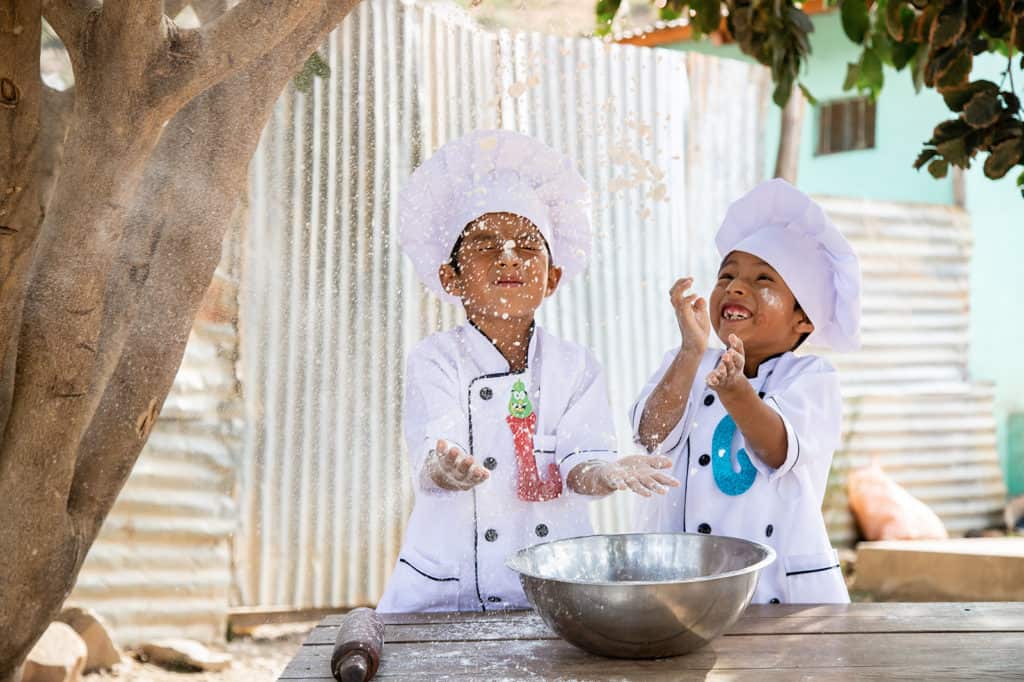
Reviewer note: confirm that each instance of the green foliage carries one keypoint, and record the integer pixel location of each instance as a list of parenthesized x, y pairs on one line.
[(934, 41), (315, 67), (606, 10)]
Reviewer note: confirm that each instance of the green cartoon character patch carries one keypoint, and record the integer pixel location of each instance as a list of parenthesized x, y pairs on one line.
[(519, 405)]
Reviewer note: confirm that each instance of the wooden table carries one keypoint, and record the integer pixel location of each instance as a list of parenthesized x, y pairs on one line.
[(780, 642)]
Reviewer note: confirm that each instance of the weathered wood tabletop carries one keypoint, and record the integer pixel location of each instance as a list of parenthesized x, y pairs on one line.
[(770, 642)]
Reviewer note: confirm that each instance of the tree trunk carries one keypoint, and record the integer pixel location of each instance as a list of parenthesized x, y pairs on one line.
[(787, 162), (20, 211), (107, 280), (12, 675)]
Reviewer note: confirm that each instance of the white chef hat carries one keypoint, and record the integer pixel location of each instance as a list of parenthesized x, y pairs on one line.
[(493, 171), (786, 229)]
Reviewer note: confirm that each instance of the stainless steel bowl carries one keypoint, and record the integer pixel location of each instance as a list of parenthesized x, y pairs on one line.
[(641, 595)]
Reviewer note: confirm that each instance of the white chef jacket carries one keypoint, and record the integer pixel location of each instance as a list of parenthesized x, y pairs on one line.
[(457, 389), (782, 507)]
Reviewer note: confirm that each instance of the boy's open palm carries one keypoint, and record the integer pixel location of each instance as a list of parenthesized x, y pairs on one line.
[(643, 474), (453, 469), (729, 372), (691, 315)]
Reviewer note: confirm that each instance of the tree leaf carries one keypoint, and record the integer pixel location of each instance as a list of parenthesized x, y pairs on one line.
[(807, 95), (948, 130), (949, 25), (1012, 101), (938, 168), (902, 53), (709, 14), (918, 65), (1007, 128), (1004, 157), (854, 14), (957, 72), (882, 44), (319, 67), (958, 97), (982, 110), (783, 90), (871, 71), (800, 19), (606, 11), (1020, 180), (924, 157), (852, 76), (898, 18), (954, 150)]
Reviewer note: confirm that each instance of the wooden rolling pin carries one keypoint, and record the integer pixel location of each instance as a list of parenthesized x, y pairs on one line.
[(358, 646)]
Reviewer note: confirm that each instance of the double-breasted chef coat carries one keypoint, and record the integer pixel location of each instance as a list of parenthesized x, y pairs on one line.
[(458, 387), (726, 492)]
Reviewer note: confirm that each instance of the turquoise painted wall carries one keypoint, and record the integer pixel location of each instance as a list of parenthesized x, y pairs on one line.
[(905, 119), (997, 331)]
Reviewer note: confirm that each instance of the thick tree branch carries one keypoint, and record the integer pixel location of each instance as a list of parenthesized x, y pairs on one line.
[(171, 249), (139, 20), (62, 368), (197, 59), (58, 106), (14, 263), (69, 19), (20, 212), (208, 10), (172, 8)]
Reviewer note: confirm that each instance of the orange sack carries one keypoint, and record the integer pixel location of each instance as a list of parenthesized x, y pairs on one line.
[(886, 511)]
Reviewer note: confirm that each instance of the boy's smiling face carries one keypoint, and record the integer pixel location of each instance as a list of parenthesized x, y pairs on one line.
[(752, 301), (501, 268)]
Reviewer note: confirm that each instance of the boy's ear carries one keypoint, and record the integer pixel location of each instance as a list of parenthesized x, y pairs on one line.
[(803, 324), (449, 280), (554, 277)]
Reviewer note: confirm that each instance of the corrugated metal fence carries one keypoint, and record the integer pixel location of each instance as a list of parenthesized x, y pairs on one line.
[(908, 399), (330, 306)]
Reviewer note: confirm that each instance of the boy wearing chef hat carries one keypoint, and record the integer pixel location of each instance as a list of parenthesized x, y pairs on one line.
[(752, 429), (508, 427)]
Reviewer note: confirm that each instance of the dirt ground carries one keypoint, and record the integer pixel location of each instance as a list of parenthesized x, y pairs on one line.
[(258, 658)]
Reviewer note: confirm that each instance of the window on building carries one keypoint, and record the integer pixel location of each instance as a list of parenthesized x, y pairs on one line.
[(846, 125)]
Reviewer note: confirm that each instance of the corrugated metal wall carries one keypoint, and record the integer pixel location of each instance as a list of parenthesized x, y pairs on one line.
[(330, 305), (908, 398), (161, 564)]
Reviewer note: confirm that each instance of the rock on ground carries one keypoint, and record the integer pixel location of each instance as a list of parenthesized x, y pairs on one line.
[(185, 653), (103, 653), (58, 656)]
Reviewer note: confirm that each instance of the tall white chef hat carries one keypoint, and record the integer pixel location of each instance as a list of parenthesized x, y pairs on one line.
[(786, 229), (493, 171)]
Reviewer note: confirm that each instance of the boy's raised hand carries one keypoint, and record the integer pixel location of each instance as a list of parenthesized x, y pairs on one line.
[(452, 469), (729, 372), (692, 316)]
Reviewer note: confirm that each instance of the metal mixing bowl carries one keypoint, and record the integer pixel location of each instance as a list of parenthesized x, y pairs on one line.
[(641, 595)]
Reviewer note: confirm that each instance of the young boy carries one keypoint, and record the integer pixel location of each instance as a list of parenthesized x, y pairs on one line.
[(508, 427), (752, 429)]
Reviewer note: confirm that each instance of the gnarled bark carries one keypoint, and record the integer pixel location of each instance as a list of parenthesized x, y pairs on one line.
[(120, 261)]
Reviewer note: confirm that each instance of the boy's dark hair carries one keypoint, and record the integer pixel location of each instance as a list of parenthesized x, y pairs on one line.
[(452, 261)]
